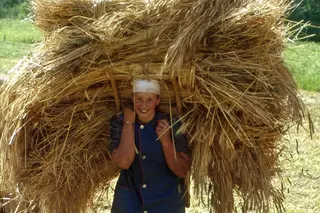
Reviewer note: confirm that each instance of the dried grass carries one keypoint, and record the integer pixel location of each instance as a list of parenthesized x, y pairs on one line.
[(237, 94)]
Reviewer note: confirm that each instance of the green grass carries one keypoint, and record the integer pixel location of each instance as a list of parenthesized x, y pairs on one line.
[(10, 53), (303, 59), (19, 31), (16, 40)]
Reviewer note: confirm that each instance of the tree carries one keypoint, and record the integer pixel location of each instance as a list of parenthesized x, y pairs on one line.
[(308, 10), (13, 8)]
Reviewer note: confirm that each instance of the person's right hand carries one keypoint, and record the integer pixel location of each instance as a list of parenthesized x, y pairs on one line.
[(129, 115)]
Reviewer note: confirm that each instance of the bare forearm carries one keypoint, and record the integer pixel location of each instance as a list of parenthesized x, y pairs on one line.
[(179, 165), (125, 152)]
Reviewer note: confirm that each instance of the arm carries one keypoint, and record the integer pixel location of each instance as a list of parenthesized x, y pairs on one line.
[(180, 165), (124, 154)]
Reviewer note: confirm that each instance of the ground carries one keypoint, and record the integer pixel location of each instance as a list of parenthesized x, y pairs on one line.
[(301, 163)]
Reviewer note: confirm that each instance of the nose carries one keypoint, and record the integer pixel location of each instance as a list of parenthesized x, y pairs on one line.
[(142, 103), (145, 104)]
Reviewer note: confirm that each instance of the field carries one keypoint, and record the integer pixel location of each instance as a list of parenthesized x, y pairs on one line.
[(301, 162), (17, 39), (301, 158), (303, 61)]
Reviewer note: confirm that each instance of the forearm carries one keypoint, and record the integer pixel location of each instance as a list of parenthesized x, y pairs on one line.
[(124, 154), (179, 165)]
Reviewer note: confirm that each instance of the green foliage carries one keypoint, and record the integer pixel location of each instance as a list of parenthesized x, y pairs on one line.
[(13, 8), (18, 31), (303, 61), (308, 10)]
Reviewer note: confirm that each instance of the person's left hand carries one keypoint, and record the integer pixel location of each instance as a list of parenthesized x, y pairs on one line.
[(163, 131)]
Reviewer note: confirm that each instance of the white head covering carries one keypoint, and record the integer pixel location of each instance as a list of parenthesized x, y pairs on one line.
[(143, 85)]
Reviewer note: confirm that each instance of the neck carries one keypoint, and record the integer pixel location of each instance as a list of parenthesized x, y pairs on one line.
[(146, 120)]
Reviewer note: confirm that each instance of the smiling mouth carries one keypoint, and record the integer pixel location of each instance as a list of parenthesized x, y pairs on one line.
[(143, 110)]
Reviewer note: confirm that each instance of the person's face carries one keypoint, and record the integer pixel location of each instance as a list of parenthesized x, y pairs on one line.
[(145, 105)]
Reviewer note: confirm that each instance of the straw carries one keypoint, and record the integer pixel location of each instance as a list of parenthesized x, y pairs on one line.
[(238, 96)]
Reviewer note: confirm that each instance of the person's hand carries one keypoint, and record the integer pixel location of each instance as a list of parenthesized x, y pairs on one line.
[(163, 131), (129, 115)]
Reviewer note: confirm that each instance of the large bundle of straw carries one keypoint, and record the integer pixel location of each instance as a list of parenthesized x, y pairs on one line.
[(219, 60)]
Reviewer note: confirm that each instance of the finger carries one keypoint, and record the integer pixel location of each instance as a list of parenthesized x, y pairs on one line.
[(128, 104), (185, 156), (159, 129), (129, 114), (162, 130), (129, 109), (161, 126), (163, 123), (164, 126)]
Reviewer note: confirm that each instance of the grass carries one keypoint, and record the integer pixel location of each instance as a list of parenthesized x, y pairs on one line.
[(17, 39), (301, 162), (19, 31), (303, 59), (10, 53)]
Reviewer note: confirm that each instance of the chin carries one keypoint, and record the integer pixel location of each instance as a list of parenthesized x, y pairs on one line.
[(145, 117)]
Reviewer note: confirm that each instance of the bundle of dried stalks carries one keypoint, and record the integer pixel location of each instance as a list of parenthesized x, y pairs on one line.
[(223, 60)]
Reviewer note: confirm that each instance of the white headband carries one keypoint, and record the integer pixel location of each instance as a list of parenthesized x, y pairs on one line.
[(143, 85)]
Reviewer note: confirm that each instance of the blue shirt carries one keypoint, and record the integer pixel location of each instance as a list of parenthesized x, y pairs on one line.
[(148, 185)]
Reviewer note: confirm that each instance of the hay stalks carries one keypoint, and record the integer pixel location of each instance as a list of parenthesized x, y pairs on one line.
[(237, 94)]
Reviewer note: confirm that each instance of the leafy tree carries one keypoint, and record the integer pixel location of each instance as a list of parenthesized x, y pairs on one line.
[(308, 10), (13, 8)]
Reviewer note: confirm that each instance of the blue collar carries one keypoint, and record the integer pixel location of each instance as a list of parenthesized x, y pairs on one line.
[(154, 121)]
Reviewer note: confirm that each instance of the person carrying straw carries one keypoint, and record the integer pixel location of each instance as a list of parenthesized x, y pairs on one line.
[(153, 157)]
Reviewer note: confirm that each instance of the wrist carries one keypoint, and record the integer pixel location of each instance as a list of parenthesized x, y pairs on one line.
[(128, 122)]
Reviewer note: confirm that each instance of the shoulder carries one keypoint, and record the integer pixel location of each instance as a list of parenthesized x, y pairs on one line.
[(174, 120), (161, 115)]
